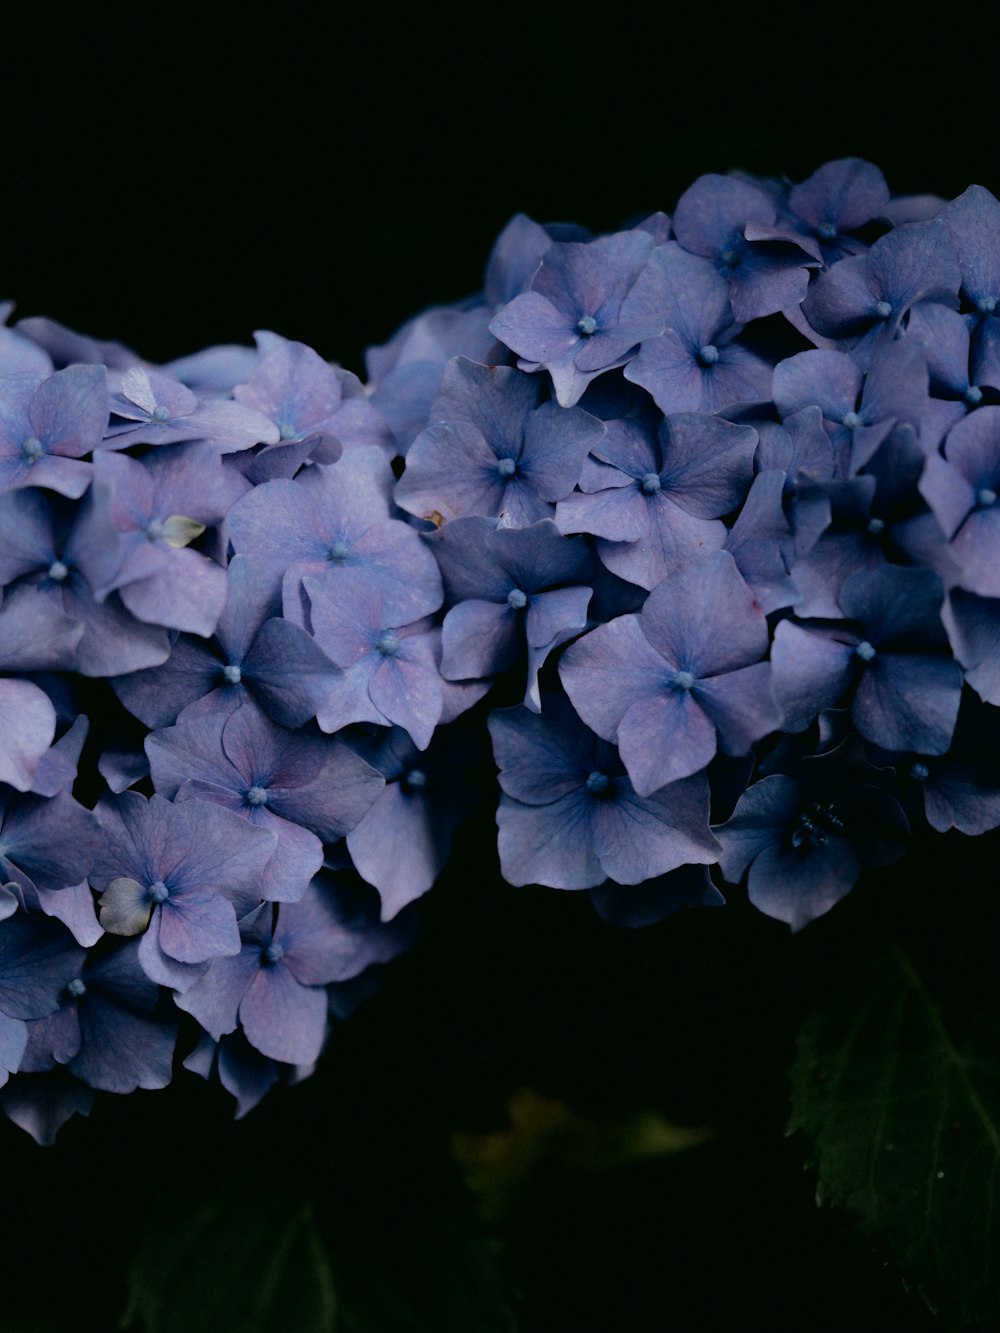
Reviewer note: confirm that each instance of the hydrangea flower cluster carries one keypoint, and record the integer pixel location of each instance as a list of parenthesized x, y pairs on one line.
[(699, 521)]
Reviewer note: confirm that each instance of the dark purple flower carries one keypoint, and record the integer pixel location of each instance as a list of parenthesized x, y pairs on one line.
[(836, 200), (859, 410), (963, 491), (494, 448), (656, 501), (47, 426), (570, 818), (180, 875), (696, 364), (863, 298), (123, 1031), (274, 987), (871, 521), (508, 586), (332, 523), (51, 559), (303, 787), (894, 656), (156, 409), (805, 839), (402, 844), (579, 318), (254, 654), (159, 505), (46, 844), (390, 671), (733, 223), (679, 680)]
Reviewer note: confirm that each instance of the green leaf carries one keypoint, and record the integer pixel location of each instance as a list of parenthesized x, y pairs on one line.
[(257, 1266), (905, 1123), (247, 1263)]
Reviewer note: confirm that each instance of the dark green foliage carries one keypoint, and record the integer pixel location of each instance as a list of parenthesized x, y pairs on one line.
[(904, 1118), (258, 1266)]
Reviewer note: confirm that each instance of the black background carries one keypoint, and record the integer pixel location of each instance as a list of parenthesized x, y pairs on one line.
[(175, 180)]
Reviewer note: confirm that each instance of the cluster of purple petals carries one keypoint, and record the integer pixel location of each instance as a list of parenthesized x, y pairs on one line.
[(706, 510)]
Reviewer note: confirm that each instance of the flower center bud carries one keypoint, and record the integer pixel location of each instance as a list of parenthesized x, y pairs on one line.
[(76, 987), (272, 954), (256, 796), (387, 643), (919, 772), (158, 891), (708, 355), (415, 780), (865, 650), (32, 448), (338, 552), (883, 309), (506, 467), (851, 420), (683, 680), (161, 413), (586, 326), (815, 824), (649, 484), (58, 571), (232, 674), (827, 230), (598, 783), (516, 599), (730, 258), (807, 832), (876, 526), (973, 395), (986, 305), (286, 431), (986, 498)]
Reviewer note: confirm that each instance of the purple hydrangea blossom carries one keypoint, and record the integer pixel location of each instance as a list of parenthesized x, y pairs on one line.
[(390, 672), (733, 223), (274, 986), (157, 409), (254, 654), (159, 506), (570, 818), (494, 448), (906, 687), (402, 843), (962, 490), (510, 587), (179, 875), (697, 364), (582, 315), (657, 501), (51, 560), (805, 839), (304, 788), (708, 535), (333, 524), (680, 679), (836, 201), (864, 297), (48, 425)]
